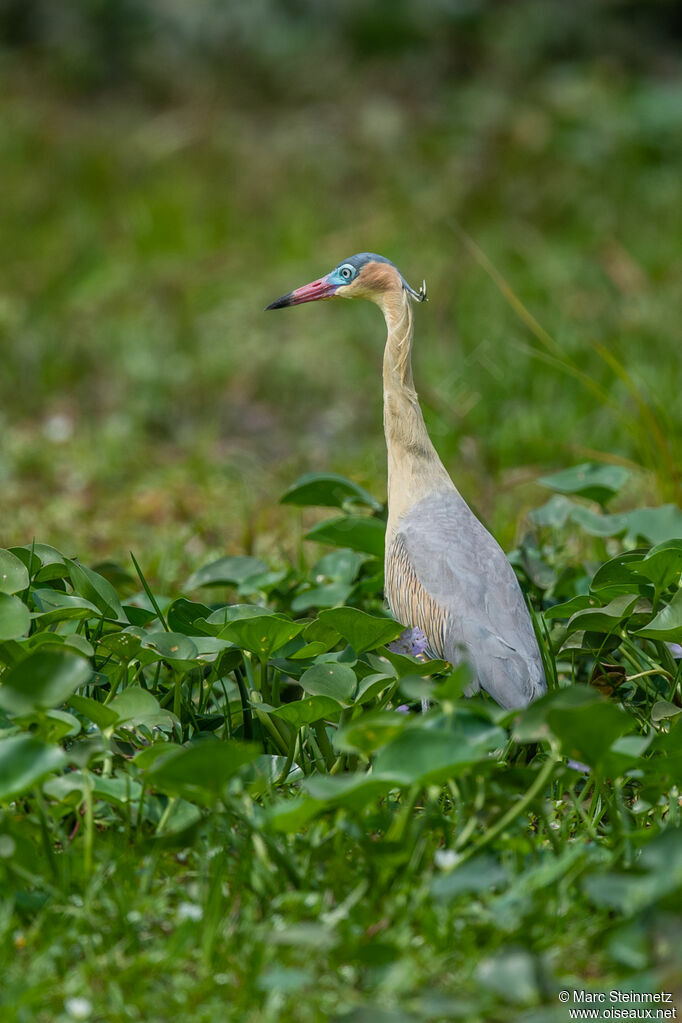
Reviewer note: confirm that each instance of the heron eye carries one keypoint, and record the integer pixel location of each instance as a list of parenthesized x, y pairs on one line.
[(346, 273)]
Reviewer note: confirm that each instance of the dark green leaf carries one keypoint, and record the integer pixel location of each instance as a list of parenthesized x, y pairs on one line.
[(361, 630), (308, 710), (15, 617), (327, 490), (44, 679), (360, 533), (228, 571), (591, 480), (97, 590), (667, 624), (202, 769), (336, 681), (13, 573), (23, 762)]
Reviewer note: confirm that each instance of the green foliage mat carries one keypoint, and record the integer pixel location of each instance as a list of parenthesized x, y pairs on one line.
[(213, 808)]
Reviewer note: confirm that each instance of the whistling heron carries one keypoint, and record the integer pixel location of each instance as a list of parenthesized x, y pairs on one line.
[(445, 573)]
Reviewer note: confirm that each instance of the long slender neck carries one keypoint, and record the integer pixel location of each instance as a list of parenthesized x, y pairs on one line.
[(414, 468)]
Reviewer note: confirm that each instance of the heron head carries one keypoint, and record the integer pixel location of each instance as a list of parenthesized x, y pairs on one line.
[(365, 275)]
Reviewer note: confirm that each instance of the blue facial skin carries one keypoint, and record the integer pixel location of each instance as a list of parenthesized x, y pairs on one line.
[(348, 269)]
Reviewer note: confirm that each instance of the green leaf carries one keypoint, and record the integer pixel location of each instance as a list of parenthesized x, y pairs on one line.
[(609, 617), (327, 490), (615, 576), (308, 710), (667, 624), (569, 607), (480, 874), (228, 571), (360, 533), (136, 706), (202, 769), (334, 680), (15, 617), (23, 762), (662, 565), (13, 573), (292, 815), (352, 791), (659, 874), (97, 590), (427, 756), (182, 616), (329, 595), (44, 679), (370, 732), (263, 635), (590, 480), (174, 647), (100, 714), (57, 606), (361, 630), (655, 525), (585, 724)]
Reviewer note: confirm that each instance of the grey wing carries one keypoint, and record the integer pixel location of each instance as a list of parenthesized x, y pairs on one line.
[(448, 576)]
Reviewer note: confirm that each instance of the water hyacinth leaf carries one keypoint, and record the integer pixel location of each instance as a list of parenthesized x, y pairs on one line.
[(533, 726), (352, 791), (15, 617), (361, 630), (97, 590), (328, 595), (174, 647), (662, 565), (228, 571), (360, 533), (569, 607), (663, 709), (427, 756), (596, 524), (586, 733), (59, 724), (125, 644), (667, 624), (183, 614), (371, 685), (328, 490), (615, 576), (554, 514), (263, 635), (659, 874), (655, 525), (44, 679), (337, 681), (292, 815), (56, 606), (590, 480), (136, 706), (204, 768), (13, 573), (609, 617), (24, 761), (180, 817), (370, 732), (308, 710), (404, 665), (100, 714), (453, 685), (342, 566), (480, 874)]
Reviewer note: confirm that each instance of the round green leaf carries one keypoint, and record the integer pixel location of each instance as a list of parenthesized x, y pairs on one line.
[(331, 679), (326, 489), (23, 762), (667, 625), (13, 573), (360, 533), (229, 571), (15, 617), (361, 630), (44, 679)]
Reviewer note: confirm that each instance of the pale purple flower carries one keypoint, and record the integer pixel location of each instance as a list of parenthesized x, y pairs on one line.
[(403, 709), (411, 641), (577, 766), (675, 649)]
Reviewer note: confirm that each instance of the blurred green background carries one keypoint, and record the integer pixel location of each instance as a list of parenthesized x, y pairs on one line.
[(168, 168)]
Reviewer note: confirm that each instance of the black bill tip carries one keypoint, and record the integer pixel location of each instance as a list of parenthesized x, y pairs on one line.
[(280, 303)]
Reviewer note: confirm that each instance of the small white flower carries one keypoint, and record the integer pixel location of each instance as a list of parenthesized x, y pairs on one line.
[(189, 911), (445, 858), (78, 1008)]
